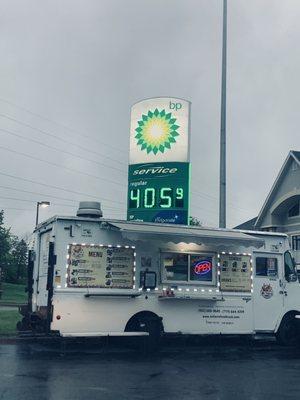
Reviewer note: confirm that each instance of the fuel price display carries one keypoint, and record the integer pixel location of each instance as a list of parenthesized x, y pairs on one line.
[(159, 192), (165, 197)]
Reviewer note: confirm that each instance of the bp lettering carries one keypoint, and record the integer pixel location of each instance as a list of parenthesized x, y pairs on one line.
[(175, 106)]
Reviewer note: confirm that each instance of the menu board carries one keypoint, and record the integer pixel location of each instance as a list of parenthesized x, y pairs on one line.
[(235, 273), (96, 266)]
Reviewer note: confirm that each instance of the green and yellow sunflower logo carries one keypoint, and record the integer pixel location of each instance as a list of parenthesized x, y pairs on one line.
[(156, 131)]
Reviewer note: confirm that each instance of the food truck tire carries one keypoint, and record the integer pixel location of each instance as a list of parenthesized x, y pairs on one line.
[(37, 324), (288, 332), (147, 322)]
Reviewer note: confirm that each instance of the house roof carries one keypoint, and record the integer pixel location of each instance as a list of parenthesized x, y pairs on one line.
[(247, 225), (292, 156), (296, 154)]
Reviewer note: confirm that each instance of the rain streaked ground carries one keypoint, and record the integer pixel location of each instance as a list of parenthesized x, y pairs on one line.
[(219, 369)]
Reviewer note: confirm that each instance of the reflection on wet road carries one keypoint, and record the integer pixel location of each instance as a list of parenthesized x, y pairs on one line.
[(213, 371)]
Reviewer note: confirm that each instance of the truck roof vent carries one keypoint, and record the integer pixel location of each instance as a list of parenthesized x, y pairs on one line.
[(89, 209)]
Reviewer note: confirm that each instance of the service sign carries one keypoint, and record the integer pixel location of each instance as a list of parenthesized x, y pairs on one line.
[(159, 131), (158, 192), (96, 266)]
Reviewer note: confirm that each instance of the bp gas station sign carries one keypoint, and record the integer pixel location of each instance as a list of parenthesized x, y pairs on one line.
[(158, 176)]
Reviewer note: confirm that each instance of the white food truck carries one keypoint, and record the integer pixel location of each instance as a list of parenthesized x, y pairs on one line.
[(89, 276)]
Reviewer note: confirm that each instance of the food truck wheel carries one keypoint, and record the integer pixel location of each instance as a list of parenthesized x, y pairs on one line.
[(288, 332), (147, 322)]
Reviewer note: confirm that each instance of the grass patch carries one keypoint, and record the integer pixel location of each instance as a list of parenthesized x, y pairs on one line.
[(8, 322), (12, 293)]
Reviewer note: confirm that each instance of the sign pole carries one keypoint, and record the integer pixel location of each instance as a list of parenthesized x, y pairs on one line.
[(222, 204)]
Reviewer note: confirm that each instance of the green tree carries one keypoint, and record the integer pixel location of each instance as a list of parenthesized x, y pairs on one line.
[(4, 245), (195, 221), (18, 260), (13, 255)]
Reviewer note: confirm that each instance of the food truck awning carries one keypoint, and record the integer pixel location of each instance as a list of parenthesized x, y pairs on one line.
[(185, 234)]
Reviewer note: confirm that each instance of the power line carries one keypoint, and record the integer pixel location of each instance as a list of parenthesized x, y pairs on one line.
[(60, 166), (63, 151), (52, 204), (29, 209), (17, 209), (84, 158), (54, 136), (212, 188), (58, 188), (59, 124), (33, 201), (36, 193), (203, 208), (45, 195), (78, 134), (206, 210), (57, 165), (194, 206), (232, 206)]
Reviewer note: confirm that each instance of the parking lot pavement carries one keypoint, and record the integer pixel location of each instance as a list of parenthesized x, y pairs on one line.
[(222, 371)]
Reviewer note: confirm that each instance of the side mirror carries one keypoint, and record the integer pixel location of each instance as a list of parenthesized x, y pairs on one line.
[(292, 278)]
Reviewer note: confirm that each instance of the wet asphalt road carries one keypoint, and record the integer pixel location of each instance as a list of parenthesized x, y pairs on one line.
[(225, 371)]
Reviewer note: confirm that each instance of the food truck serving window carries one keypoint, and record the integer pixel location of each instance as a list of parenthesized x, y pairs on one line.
[(193, 268), (98, 266)]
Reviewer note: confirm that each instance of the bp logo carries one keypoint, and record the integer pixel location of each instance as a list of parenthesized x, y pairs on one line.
[(156, 131)]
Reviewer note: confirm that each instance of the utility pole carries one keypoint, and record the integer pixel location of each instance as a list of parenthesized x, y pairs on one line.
[(222, 202)]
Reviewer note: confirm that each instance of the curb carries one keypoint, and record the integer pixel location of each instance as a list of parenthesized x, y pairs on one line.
[(29, 339), (10, 305)]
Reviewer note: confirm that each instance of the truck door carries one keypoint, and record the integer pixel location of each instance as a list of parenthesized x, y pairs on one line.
[(267, 290), (41, 283), (290, 285)]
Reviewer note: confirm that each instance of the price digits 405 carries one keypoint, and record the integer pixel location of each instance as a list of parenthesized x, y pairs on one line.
[(165, 197)]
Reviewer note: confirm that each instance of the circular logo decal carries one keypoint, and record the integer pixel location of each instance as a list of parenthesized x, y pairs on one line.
[(266, 291), (156, 131), (202, 267)]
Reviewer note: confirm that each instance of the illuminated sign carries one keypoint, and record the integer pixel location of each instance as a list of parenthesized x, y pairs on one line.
[(158, 177), (159, 192), (98, 266), (159, 131), (203, 267), (235, 272)]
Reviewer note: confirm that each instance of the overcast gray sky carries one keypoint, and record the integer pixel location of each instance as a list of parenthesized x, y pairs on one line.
[(71, 69)]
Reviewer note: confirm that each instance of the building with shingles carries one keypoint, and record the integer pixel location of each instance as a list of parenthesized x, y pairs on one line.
[(281, 209)]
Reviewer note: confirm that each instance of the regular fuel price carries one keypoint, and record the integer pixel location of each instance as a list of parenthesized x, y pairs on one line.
[(164, 197), (158, 192)]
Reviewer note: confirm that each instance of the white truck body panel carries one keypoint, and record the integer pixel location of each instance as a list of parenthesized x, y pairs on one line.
[(192, 307)]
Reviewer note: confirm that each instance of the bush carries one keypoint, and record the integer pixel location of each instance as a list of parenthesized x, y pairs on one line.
[(13, 255)]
